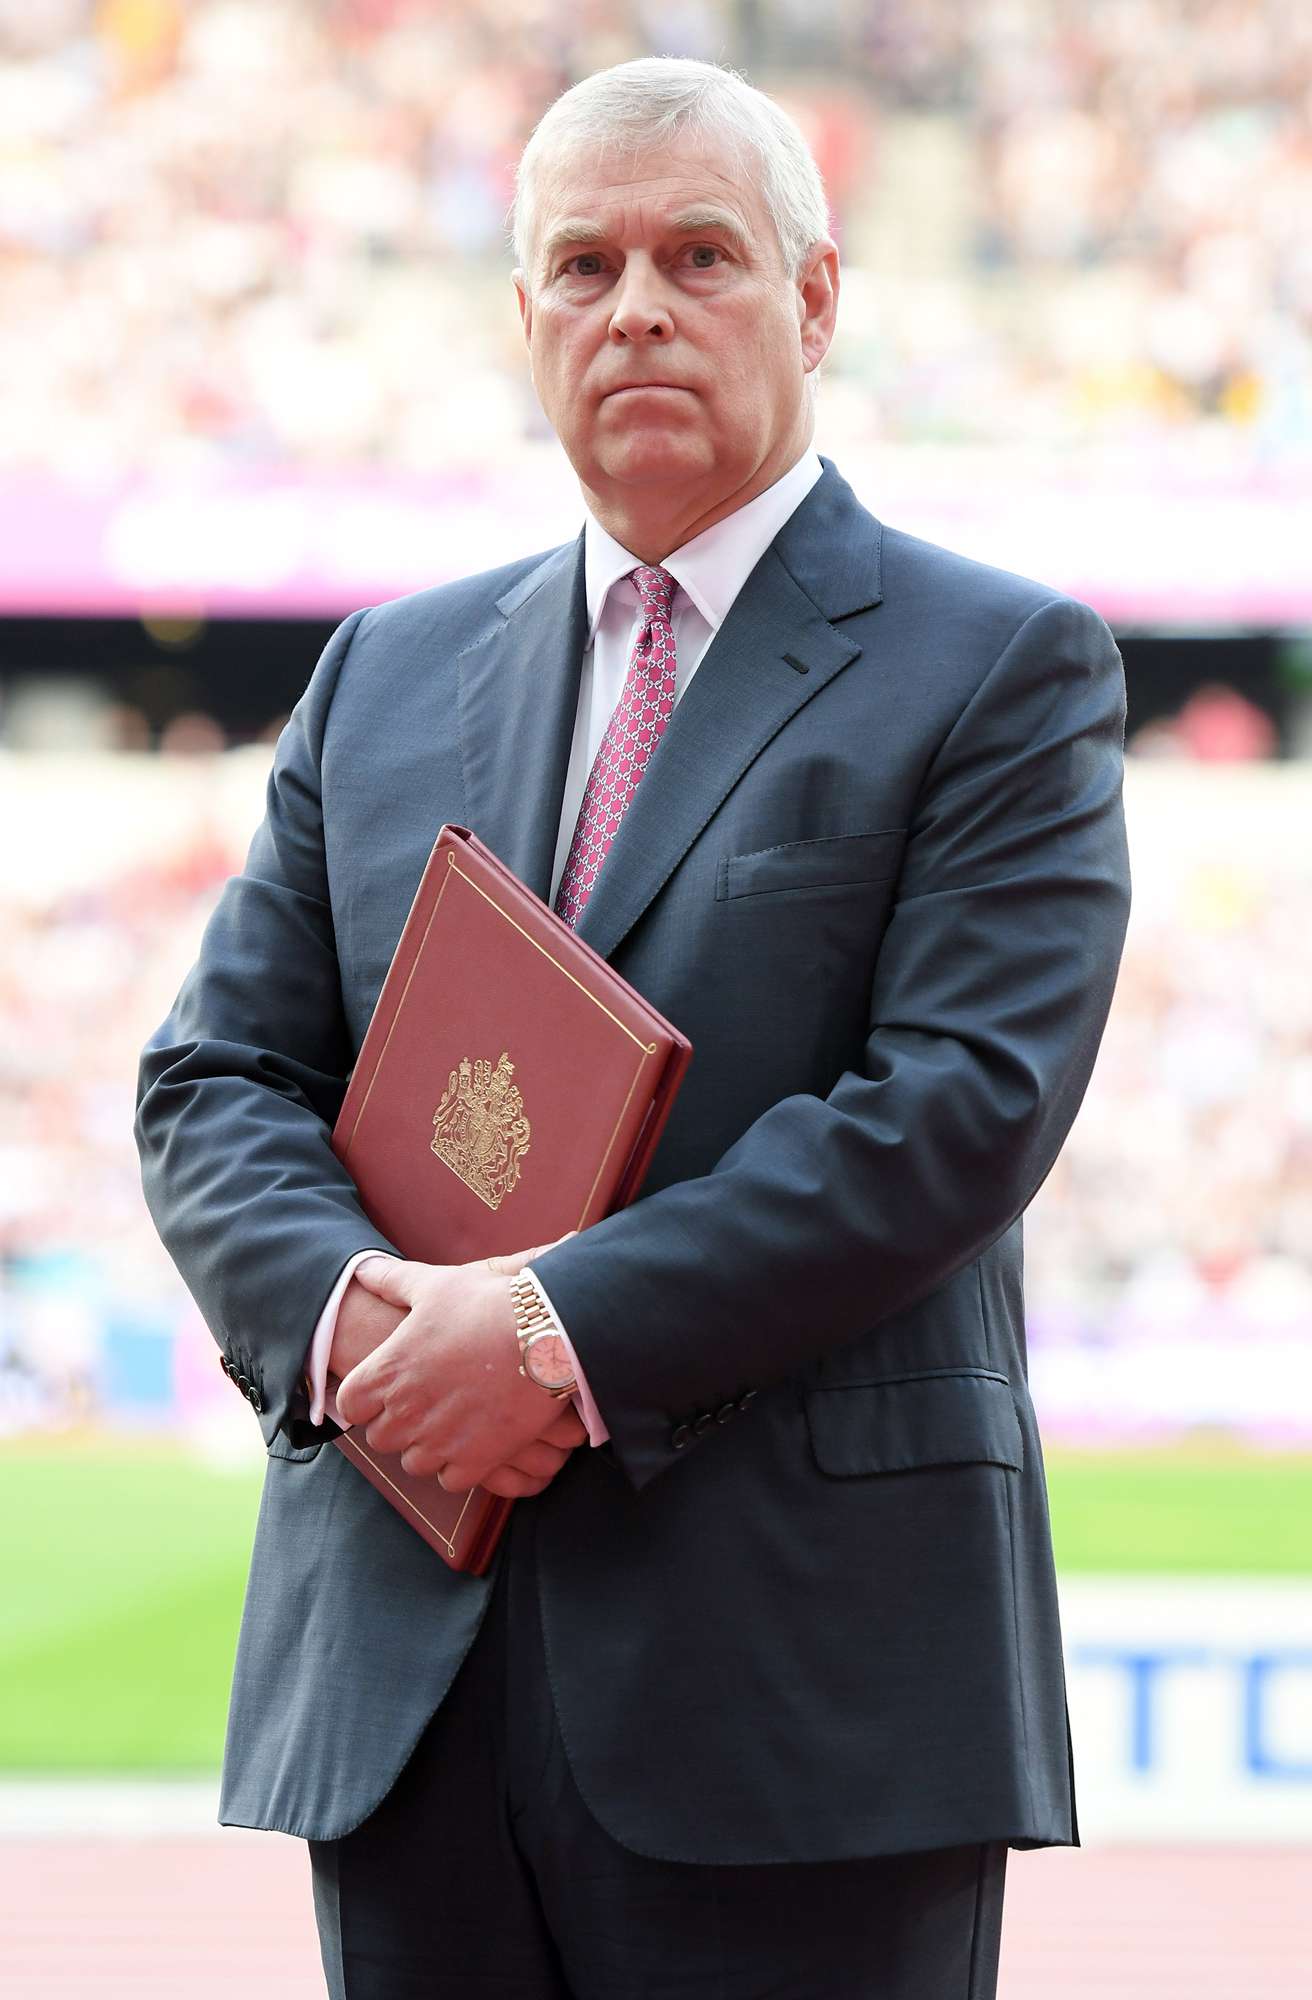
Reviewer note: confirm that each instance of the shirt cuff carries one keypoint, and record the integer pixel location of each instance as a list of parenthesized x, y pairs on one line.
[(321, 1341), (582, 1399)]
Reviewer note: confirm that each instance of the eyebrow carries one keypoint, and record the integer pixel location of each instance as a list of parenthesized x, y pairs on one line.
[(571, 232), (689, 223), (717, 219)]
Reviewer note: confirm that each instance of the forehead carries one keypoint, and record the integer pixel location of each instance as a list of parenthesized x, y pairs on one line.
[(626, 190)]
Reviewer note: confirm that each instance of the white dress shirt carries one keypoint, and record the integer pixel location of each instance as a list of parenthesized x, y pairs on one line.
[(710, 571)]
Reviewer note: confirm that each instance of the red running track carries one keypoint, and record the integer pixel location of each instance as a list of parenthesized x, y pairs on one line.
[(229, 1918)]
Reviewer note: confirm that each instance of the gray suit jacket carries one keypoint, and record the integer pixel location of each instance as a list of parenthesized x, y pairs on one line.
[(802, 1606)]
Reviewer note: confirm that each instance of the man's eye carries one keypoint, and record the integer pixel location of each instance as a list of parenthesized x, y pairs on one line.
[(704, 256), (586, 265)]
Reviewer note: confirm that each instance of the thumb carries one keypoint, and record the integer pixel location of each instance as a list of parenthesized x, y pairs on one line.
[(390, 1278), (512, 1263)]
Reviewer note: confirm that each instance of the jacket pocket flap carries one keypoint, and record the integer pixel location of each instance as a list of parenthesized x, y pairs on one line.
[(281, 1446), (956, 1418), (812, 864)]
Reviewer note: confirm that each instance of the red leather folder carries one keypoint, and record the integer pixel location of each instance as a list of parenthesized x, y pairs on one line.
[(510, 1087)]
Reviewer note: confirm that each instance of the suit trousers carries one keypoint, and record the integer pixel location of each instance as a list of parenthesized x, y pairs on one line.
[(483, 1873)]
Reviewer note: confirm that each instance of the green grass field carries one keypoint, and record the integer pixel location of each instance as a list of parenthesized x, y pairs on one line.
[(121, 1576)]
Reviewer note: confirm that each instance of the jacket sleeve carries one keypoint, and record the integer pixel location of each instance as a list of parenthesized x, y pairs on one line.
[(239, 1088), (991, 990)]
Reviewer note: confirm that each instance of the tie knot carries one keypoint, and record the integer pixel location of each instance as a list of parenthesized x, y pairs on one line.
[(656, 588)]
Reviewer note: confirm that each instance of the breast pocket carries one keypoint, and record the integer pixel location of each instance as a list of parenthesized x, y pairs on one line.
[(834, 862)]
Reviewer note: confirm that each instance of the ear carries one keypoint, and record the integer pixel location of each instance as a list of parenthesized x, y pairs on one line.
[(817, 302), (520, 281)]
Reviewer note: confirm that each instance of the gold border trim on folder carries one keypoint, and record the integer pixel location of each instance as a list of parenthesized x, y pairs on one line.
[(387, 1040), (649, 1048), (448, 1541), (610, 1142)]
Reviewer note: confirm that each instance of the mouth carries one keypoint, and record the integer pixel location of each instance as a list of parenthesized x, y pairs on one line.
[(646, 389)]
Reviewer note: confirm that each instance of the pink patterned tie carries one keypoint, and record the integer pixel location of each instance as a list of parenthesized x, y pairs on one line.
[(635, 728)]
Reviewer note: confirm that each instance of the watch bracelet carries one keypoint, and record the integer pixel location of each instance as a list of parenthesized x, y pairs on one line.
[(534, 1317)]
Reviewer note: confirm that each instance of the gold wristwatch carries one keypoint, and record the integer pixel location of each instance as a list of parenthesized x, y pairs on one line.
[(543, 1355)]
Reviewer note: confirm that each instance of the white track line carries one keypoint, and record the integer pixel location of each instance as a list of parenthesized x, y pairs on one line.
[(71, 1808)]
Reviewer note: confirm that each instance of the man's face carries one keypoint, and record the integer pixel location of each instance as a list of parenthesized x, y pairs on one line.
[(669, 346)]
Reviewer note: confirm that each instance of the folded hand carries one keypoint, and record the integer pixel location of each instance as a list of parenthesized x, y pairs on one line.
[(445, 1389)]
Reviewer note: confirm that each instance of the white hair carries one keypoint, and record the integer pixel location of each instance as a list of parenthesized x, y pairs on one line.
[(652, 101)]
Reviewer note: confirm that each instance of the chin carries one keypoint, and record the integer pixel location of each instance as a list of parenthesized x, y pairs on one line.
[(644, 460)]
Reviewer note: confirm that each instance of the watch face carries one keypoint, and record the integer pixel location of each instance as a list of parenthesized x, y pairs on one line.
[(547, 1363)]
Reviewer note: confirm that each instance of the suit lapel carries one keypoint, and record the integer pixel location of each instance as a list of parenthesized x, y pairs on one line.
[(779, 645), (518, 697), (775, 651)]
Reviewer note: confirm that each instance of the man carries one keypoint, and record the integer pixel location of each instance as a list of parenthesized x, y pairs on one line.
[(768, 1676)]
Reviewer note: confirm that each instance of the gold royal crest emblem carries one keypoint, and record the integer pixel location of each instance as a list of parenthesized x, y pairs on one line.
[(479, 1128)]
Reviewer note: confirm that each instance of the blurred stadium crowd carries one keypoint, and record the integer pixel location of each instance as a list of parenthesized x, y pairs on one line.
[(93, 1321), (268, 237), (1169, 1286), (1168, 1277), (272, 231)]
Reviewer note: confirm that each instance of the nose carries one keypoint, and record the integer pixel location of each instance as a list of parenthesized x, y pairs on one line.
[(640, 312)]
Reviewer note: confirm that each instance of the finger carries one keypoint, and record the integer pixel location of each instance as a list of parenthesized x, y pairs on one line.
[(453, 1477), (359, 1397), (513, 1485), (425, 1461), (386, 1433), (512, 1262), (390, 1278), (531, 1469), (506, 1479), (567, 1429), (538, 1459)]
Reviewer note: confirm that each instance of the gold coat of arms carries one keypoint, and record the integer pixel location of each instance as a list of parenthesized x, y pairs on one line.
[(479, 1128)]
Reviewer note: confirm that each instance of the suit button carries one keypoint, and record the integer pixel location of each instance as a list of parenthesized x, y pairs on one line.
[(257, 1402), (226, 1366), (243, 1384), (725, 1411), (680, 1436), (703, 1424), (748, 1396)]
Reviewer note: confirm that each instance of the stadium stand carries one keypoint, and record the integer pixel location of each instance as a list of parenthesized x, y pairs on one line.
[(232, 231)]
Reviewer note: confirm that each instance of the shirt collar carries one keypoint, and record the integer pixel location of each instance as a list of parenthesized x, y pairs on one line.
[(714, 566)]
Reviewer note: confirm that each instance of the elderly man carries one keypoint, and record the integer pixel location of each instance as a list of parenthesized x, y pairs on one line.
[(768, 1677)]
